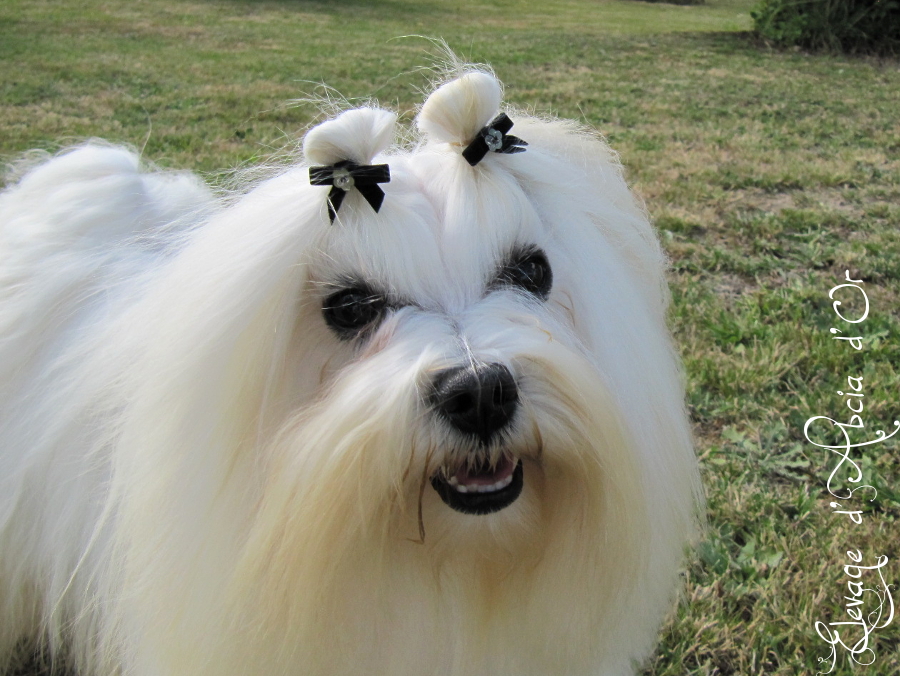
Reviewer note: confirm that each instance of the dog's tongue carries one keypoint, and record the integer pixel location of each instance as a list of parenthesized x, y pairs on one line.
[(483, 475)]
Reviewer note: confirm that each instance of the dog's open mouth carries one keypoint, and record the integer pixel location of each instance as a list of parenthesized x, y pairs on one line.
[(482, 489)]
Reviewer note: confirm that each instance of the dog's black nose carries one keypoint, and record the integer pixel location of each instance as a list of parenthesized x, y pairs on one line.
[(479, 400)]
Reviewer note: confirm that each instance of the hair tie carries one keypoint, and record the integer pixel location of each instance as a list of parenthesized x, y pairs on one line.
[(494, 138), (343, 176)]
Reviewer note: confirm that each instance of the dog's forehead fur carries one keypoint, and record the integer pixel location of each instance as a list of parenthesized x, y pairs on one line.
[(439, 238)]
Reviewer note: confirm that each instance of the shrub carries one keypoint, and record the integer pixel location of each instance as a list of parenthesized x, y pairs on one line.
[(678, 2), (854, 26)]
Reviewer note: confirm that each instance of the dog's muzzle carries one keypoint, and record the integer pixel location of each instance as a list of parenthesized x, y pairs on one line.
[(478, 402)]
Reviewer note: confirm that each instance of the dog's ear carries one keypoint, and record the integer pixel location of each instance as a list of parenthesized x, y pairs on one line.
[(459, 109), (357, 135)]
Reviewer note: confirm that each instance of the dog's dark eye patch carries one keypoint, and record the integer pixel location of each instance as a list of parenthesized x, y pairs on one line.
[(353, 310), (529, 270)]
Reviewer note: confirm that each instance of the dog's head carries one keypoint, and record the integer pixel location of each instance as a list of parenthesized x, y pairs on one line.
[(469, 390), (490, 323)]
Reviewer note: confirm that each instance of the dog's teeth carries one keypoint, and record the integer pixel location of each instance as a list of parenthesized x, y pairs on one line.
[(503, 483), (475, 488)]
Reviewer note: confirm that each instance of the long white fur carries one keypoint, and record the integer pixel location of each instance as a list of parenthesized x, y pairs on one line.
[(198, 477)]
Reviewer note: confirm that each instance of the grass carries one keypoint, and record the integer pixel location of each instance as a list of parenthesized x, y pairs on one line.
[(767, 173)]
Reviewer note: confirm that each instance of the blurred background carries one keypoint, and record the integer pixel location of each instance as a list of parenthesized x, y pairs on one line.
[(764, 138)]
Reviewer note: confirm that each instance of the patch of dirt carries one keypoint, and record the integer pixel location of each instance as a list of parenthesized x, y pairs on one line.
[(730, 287)]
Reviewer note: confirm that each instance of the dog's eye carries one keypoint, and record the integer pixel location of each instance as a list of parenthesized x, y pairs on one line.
[(350, 311), (529, 271)]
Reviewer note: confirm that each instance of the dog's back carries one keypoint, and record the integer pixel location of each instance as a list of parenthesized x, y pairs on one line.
[(78, 233)]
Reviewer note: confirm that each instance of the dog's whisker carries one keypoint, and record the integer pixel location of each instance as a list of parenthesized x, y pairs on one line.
[(422, 483)]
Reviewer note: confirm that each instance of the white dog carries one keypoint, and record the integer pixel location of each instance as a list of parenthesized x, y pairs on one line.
[(406, 420)]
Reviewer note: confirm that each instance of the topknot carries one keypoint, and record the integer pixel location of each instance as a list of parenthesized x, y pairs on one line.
[(459, 109), (357, 135)]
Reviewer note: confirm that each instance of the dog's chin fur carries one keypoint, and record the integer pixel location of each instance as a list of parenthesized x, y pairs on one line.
[(198, 476)]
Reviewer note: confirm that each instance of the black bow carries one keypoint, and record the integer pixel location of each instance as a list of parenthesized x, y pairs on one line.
[(345, 175), (494, 137)]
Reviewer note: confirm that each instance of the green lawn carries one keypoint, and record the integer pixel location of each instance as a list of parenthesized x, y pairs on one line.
[(768, 174)]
